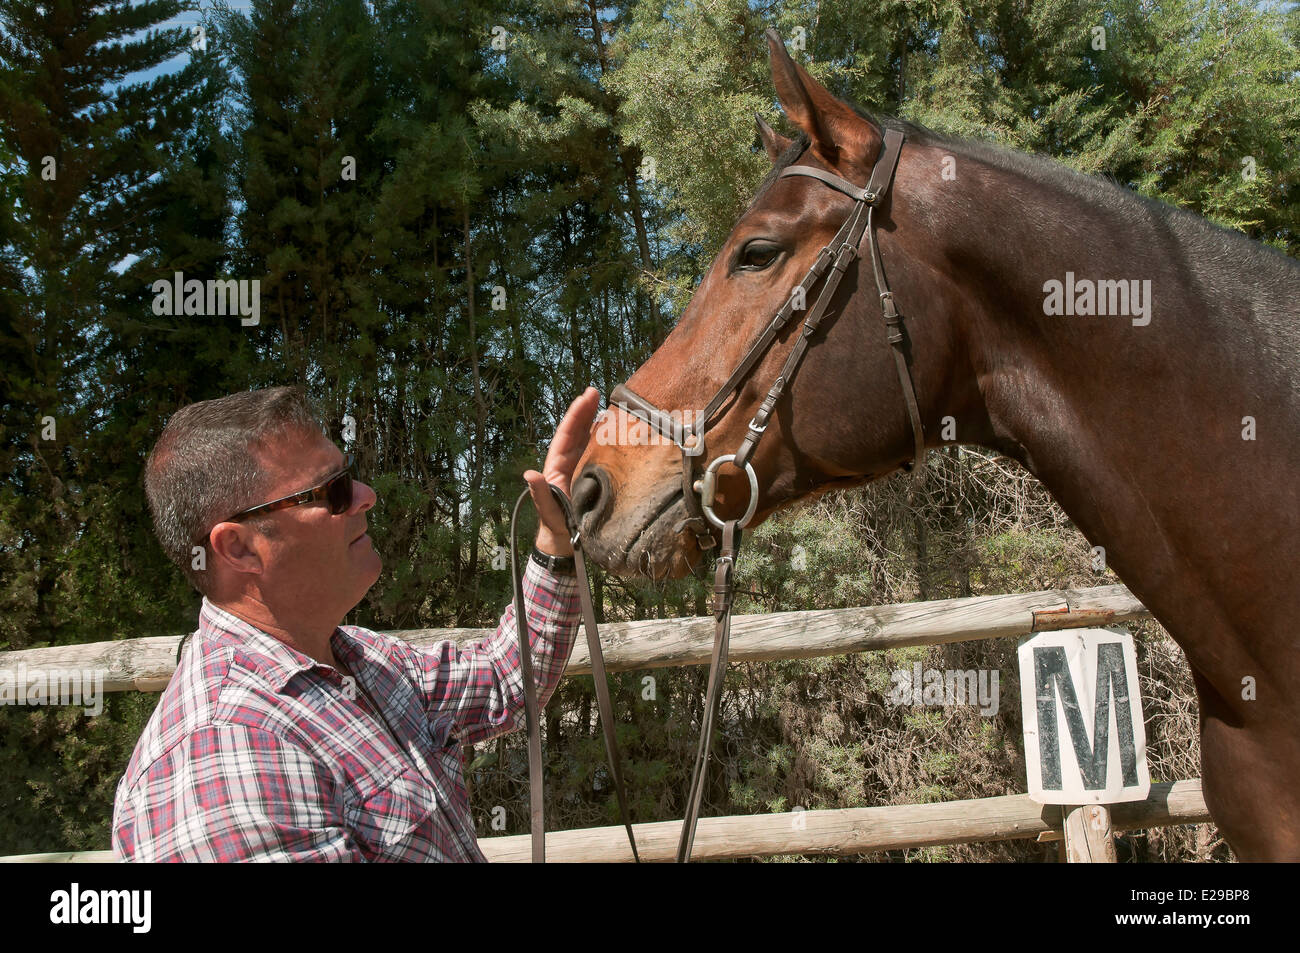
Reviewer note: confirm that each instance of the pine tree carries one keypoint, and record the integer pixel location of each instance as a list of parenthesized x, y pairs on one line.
[(91, 154), (92, 159)]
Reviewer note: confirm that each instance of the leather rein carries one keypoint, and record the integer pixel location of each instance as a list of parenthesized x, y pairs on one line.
[(698, 494)]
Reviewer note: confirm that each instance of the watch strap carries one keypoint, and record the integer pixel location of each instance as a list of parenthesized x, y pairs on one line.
[(560, 565)]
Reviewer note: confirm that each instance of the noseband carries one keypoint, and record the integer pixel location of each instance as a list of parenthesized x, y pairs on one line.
[(698, 494)]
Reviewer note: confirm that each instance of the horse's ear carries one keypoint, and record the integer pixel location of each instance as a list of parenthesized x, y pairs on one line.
[(773, 141), (836, 131)]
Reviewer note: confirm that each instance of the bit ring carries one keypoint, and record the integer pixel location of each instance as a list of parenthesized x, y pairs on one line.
[(753, 492)]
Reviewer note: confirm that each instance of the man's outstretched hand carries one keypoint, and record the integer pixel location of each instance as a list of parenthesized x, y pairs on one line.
[(562, 458)]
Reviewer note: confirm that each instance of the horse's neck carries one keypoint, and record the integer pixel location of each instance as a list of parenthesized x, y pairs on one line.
[(1170, 436)]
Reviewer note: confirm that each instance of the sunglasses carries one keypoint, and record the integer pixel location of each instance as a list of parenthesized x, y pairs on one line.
[(335, 491)]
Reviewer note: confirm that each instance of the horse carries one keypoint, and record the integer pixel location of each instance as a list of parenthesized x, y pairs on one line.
[(1163, 420)]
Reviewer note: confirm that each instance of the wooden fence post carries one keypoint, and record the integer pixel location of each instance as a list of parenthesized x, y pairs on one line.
[(1089, 838)]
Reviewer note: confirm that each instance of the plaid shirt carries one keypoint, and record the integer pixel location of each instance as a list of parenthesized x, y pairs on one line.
[(257, 752)]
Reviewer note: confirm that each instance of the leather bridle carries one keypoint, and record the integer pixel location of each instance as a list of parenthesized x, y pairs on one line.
[(698, 493), (836, 257)]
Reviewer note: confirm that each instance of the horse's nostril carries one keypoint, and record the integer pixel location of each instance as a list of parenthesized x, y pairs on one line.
[(588, 495)]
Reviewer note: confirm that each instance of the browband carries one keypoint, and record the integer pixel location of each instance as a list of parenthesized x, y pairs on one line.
[(881, 174)]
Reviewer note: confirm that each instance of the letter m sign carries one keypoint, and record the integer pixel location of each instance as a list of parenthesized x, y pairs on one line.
[(1084, 738)]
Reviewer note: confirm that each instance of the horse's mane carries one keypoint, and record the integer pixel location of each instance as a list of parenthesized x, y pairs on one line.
[(1098, 190), (1216, 248)]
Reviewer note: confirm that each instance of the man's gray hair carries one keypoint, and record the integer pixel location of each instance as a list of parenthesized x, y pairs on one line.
[(205, 466)]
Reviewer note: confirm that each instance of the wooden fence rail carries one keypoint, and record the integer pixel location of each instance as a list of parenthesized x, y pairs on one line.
[(146, 664), (860, 830)]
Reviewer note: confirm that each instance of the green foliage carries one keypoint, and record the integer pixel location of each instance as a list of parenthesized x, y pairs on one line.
[(1173, 106), (689, 83)]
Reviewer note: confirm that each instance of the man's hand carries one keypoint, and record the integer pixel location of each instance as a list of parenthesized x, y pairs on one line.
[(562, 458)]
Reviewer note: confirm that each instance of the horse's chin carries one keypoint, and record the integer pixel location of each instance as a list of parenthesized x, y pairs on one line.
[(651, 552)]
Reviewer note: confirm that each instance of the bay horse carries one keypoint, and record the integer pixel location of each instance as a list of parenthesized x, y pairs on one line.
[(1168, 432)]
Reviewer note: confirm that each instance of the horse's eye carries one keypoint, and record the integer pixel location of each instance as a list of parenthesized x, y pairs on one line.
[(758, 255)]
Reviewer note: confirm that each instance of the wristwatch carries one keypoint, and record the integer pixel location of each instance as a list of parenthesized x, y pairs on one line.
[(560, 565)]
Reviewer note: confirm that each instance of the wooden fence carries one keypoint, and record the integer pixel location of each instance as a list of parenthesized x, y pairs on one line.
[(147, 664)]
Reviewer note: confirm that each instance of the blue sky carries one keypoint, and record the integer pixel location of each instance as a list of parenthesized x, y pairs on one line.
[(189, 19)]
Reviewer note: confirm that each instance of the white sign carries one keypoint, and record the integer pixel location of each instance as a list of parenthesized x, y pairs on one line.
[(1084, 738)]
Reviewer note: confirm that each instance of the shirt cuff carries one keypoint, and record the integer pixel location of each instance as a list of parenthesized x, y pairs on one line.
[(563, 589)]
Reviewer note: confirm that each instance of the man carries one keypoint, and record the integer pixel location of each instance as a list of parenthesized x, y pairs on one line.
[(284, 735)]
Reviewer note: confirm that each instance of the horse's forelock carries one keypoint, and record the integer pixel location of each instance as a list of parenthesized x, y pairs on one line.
[(784, 161)]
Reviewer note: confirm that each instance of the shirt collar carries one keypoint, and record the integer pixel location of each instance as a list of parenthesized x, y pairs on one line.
[(262, 652)]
